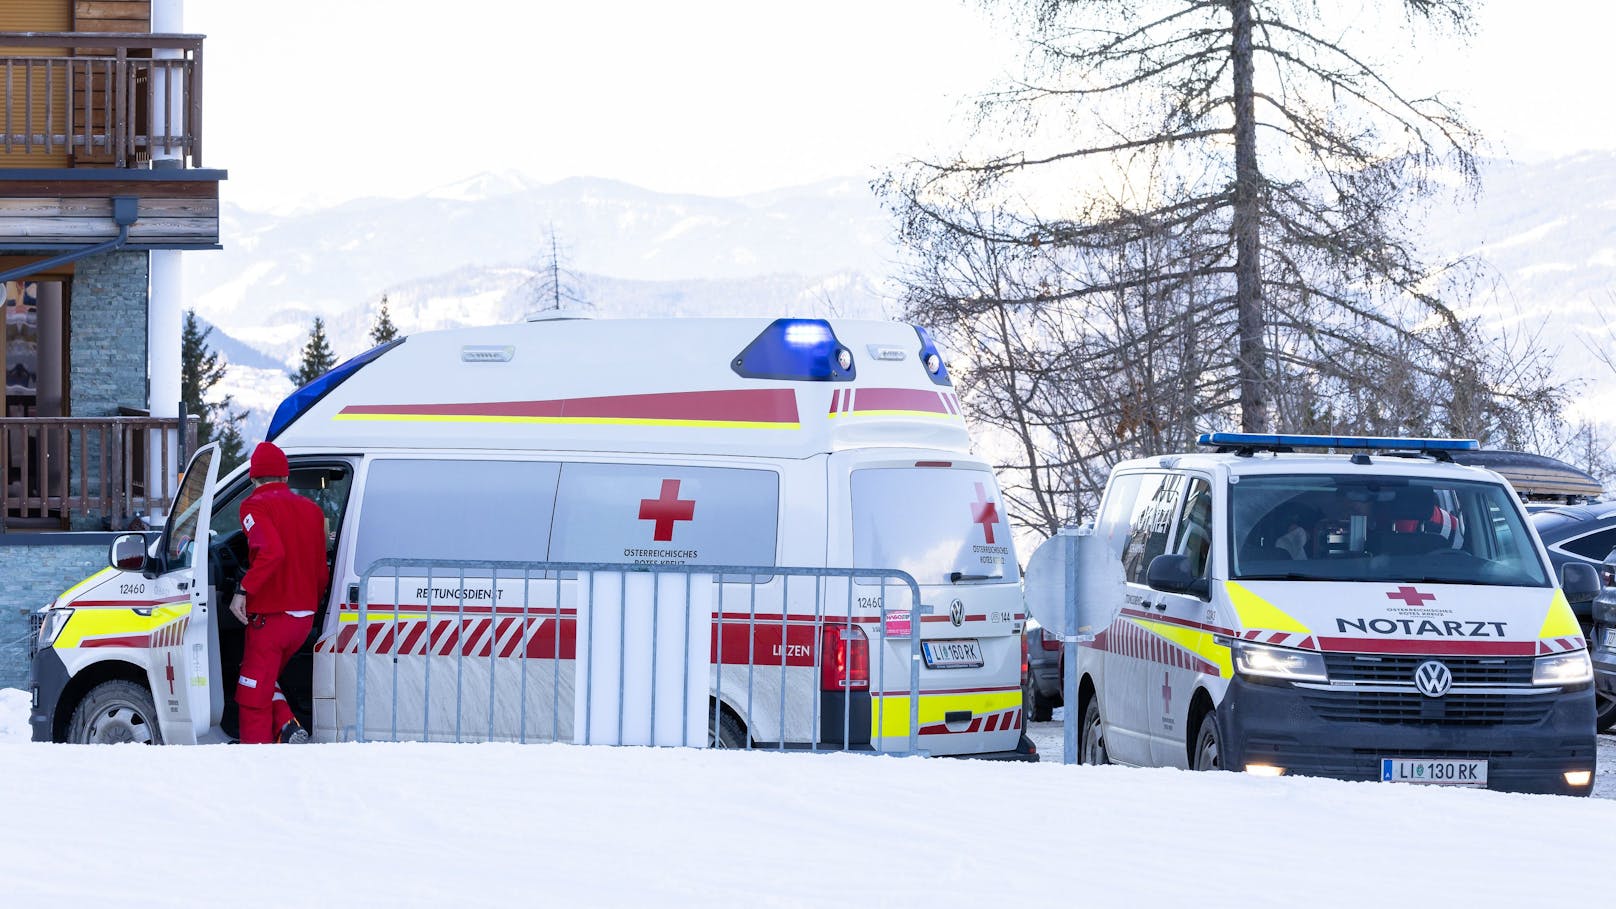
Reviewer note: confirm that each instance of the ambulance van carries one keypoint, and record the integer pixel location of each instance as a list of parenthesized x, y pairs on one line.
[(1379, 613), (728, 442)]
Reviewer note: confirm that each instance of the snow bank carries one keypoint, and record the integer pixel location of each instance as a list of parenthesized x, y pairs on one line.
[(411, 824)]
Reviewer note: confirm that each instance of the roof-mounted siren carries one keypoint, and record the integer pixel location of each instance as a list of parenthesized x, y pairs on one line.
[(931, 359), (1248, 443), (803, 350)]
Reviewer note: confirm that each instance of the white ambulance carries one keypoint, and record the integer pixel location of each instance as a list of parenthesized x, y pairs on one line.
[(734, 442), (1379, 613)]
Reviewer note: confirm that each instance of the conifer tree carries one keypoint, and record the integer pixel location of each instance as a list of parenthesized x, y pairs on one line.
[(383, 330), (200, 370), (317, 356)]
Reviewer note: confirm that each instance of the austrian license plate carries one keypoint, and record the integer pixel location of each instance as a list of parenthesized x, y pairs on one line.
[(1436, 771), (964, 654), (1610, 638)]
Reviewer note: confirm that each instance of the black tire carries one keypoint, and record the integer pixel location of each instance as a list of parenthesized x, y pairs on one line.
[(1091, 735), (1208, 753), (1605, 703), (1039, 708), (115, 712), (729, 734)]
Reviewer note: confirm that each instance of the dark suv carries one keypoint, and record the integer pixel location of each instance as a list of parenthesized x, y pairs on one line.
[(1041, 683), (1577, 533), (1602, 646)]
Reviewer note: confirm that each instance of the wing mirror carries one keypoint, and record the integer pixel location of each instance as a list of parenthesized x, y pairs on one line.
[(1580, 581), (128, 553), (1173, 574)]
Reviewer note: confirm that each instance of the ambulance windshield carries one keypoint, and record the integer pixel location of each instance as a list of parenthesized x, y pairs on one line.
[(1324, 527)]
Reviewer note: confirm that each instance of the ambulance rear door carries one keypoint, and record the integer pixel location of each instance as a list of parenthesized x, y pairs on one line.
[(183, 652), (940, 518)]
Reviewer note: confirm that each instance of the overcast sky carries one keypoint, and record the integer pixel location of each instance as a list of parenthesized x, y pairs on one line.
[(324, 100)]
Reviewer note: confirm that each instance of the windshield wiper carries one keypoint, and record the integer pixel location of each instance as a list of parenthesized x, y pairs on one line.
[(954, 577)]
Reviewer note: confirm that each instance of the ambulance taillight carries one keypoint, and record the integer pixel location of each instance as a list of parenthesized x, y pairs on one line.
[(1025, 663), (845, 658)]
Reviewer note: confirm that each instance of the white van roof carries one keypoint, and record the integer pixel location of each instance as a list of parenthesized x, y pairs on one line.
[(635, 385)]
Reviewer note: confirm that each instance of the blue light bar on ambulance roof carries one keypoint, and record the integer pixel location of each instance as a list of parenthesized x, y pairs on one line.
[(1258, 441), (931, 359), (805, 350), (301, 400)]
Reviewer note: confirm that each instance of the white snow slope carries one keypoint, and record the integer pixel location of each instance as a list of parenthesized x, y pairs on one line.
[(562, 825)]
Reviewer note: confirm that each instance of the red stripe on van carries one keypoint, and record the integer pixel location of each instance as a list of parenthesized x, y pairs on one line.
[(1435, 648), (899, 399), (744, 405)]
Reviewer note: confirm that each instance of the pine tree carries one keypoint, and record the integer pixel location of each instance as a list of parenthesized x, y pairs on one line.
[(317, 356), (383, 330), (200, 370)]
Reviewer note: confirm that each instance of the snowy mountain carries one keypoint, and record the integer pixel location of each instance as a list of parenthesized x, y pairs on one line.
[(466, 253)]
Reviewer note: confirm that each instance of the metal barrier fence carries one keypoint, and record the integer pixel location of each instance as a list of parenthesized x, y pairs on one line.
[(777, 648)]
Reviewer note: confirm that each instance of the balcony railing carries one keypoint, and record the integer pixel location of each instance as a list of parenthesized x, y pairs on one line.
[(66, 473), (92, 96)]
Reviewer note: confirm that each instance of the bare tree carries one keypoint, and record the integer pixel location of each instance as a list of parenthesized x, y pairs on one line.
[(1209, 223), (554, 285)]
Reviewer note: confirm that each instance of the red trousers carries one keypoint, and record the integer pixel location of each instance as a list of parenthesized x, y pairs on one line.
[(272, 639)]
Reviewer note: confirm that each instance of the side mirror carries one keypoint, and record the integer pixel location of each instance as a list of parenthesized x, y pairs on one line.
[(1172, 574), (128, 553), (1580, 581)]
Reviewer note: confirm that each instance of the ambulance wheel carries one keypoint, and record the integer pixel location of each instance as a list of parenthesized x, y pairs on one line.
[(115, 712), (1091, 735), (1605, 703), (729, 734), (1208, 755)]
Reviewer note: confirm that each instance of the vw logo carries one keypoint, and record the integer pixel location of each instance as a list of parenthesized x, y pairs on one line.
[(1433, 679), (956, 613)]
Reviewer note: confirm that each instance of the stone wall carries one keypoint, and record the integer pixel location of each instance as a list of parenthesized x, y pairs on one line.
[(107, 361), (37, 567)]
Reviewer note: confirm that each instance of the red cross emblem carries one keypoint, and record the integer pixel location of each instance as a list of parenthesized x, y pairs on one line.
[(171, 673), (667, 509), (1167, 693), (1410, 595), (984, 512)]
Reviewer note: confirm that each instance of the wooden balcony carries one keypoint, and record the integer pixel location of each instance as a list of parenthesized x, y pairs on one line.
[(93, 97), (65, 473), (90, 118)]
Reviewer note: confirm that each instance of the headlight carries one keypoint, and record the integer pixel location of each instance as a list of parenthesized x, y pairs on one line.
[(1279, 663), (55, 621), (1563, 669)]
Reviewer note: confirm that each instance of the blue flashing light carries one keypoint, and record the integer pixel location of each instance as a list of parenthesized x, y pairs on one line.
[(301, 400), (1270, 441), (931, 359), (804, 350)]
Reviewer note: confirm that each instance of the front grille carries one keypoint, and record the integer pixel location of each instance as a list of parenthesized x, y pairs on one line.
[(36, 621), (1415, 709), (1399, 670)]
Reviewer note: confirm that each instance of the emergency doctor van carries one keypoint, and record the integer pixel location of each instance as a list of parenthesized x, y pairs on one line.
[(1377, 613), (792, 444)]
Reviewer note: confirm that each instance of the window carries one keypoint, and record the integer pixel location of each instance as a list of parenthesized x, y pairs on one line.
[(326, 485), (1193, 536), (1150, 523), (456, 509), (1330, 527), (933, 523), (1594, 545)]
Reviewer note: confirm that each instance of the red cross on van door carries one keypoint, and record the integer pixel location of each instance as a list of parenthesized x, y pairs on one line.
[(666, 510), (1410, 595), (985, 513)]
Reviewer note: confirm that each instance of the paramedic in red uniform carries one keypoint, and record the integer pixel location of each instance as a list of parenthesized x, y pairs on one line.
[(277, 596)]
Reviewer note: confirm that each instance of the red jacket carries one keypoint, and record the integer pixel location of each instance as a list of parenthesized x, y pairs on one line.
[(286, 550)]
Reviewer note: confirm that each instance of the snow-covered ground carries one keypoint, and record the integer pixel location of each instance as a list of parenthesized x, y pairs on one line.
[(481, 825)]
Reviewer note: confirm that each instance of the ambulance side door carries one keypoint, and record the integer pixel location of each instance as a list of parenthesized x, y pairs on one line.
[(1132, 683), (182, 656), (1181, 629)]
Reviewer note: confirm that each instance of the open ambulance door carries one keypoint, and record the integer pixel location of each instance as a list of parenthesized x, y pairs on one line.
[(183, 670)]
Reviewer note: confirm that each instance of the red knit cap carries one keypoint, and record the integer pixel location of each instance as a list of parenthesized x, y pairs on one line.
[(268, 461)]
